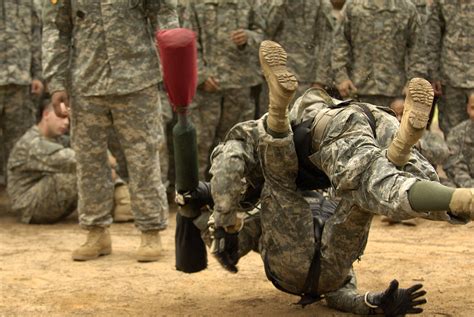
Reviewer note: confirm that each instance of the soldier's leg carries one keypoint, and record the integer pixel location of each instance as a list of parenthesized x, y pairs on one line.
[(287, 242), (205, 115), (452, 108), (18, 116), (416, 113), (57, 198), (138, 124), (90, 123)]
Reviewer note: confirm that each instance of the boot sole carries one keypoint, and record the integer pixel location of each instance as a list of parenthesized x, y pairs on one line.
[(148, 258), (87, 258), (273, 61), (420, 95)]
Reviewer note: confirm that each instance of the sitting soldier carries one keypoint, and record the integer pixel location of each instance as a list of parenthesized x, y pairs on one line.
[(42, 172), (360, 151)]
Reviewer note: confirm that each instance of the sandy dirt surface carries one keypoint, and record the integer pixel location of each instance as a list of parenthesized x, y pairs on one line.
[(38, 277)]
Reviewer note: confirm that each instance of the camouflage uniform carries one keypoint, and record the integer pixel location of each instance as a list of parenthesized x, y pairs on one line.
[(460, 165), (115, 80), (379, 49), (20, 60), (433, 147), (42, 178), (450, 28), (288, 23), (359, 172), (234, 68)]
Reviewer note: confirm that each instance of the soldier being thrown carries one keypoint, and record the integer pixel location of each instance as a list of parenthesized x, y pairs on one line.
[(352, 144)]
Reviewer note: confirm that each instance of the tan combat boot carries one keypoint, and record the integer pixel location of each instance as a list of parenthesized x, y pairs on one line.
[(416, 113), (122, 206), (281, 82), (462, 203), (150, 247), (98, 243)]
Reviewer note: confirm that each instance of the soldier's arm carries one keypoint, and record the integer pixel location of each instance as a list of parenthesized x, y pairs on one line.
[(256, 24), (416, 49), (342, 50), (192, 22), (57, 33), (36, 71), (434, 30), (229, 165), (456, 166), (167, 14), (51, 157), (348, 299), (274, 18), (323, 39)]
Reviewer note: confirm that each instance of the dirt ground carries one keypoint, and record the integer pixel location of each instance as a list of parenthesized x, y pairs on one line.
[(38, 277)]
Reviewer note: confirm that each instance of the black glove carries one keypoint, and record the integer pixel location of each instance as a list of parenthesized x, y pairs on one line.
[(225, 247), (196, 198), (396, 301)]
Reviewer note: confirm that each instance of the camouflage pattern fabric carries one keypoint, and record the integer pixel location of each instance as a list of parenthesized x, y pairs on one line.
[(450, 38), (378, 48), (304, 28), (104, 59), (114, 85), (42, 178), (137, 123), (17, 115), (433, 147), (360, 173), (451, 106), (20, 63), (234, 68), (377, 100), (460, 165), (213, 114)]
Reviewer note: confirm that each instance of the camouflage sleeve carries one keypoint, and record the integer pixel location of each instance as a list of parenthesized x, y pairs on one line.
[(347, 298), (51, 157), (255, 27), (167, 14), (434, 29), (322, 72), (342, 51), (229, 162), (416, 47), (56, 41), (36, 72), (191, 21), (456, 167), (274, 18)]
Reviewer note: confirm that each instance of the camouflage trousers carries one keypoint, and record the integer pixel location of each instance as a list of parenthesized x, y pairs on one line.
[(54, 198), (213, 114), (136, 119), (117, 152), (17, 115), (452, 107)]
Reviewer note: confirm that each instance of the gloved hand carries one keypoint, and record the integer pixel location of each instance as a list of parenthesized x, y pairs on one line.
[(196, 198), (225, 247), (396, 301)]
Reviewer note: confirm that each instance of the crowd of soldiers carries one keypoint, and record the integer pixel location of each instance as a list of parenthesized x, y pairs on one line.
[(93, 64)]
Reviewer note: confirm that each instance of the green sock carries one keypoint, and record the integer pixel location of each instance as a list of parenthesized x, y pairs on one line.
[(429, 196)]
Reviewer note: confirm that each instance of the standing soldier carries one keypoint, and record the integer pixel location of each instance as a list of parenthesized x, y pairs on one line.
[(288, 23), (20, 72), (229, 33), (450, 34), (114, 84), (377, 50)]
